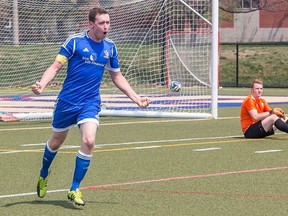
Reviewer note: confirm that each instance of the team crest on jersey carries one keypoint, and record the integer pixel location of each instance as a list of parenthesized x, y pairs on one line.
[(106, 54), (93, 57)]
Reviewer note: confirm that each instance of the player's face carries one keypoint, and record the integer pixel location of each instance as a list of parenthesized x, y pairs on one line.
[(257, 90), (100, 28)]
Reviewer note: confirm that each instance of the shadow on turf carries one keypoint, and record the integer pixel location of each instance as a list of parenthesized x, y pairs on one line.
[(61, 203)]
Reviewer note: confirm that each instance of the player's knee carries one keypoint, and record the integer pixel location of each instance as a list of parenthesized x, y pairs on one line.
[(54, 144), (89, 142), (273, 118)]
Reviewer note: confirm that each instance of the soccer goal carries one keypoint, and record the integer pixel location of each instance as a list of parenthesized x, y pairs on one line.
[(158, 42)]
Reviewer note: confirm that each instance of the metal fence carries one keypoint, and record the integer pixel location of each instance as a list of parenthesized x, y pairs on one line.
[(240, 63)]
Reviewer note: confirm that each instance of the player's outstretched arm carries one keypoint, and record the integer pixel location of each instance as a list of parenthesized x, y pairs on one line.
[(48, 75), (120, 81)]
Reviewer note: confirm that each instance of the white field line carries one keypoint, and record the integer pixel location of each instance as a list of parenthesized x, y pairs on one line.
[(151, 141), (207, 149), (127, 143), (124, 123), (20, 151), (268, 151), (167, 141), (119, 144), (63, 147), (36, 144), (147, 147)]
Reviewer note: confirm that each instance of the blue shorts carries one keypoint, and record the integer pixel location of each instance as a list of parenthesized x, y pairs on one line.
[(66, 115)]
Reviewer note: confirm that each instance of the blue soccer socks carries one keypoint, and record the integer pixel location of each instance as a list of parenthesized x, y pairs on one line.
[(81, 167), (48, 157)]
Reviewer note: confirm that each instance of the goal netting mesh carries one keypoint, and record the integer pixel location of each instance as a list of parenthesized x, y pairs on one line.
[(158, 41)]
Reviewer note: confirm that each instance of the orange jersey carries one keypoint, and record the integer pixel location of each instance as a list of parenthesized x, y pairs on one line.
[(248, 104)]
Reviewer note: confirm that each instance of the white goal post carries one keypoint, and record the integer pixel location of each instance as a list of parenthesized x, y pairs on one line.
[(159, 41)]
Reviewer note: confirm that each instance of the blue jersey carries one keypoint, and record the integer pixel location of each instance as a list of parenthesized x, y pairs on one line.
[(87, 60)]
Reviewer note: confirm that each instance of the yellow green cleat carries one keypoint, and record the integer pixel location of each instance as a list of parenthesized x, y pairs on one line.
[(76, 197), (42, 186)]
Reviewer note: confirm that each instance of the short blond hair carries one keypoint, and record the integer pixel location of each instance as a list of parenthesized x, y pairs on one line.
[(256, 81)]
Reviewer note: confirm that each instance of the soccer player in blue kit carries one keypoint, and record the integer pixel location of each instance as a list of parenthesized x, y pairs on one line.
[(87, 54)]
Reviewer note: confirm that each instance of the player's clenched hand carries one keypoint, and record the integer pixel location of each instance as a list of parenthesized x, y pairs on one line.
[(279, 112), (144, 102), (37, 88)]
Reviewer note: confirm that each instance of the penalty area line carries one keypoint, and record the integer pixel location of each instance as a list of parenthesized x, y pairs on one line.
[(187, 177)]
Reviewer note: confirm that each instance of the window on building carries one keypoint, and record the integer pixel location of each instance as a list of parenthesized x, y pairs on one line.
[(248, 4)]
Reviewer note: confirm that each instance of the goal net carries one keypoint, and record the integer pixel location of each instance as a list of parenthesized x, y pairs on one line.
[(158, 41)]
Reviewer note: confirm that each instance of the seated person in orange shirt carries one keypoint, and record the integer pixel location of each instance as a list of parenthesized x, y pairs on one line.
[(258, 120)]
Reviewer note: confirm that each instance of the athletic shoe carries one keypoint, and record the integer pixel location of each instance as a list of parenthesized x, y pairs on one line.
[(76, 197), (42, 186)]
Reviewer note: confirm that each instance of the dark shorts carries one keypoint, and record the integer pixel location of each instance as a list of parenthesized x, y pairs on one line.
[(256, 130)]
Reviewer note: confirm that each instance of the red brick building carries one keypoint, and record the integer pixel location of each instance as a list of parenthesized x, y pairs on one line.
[(258, 21)]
